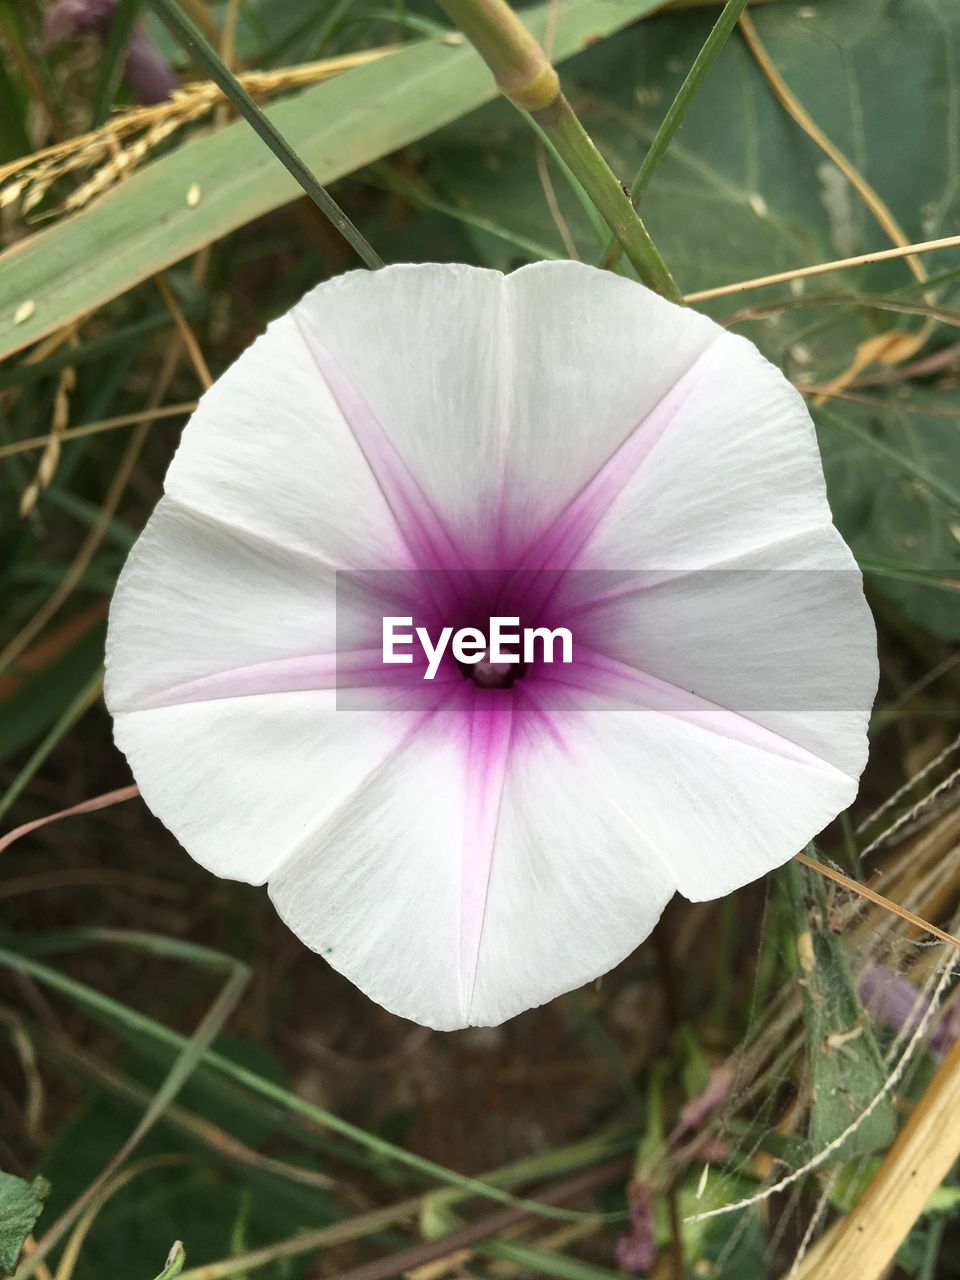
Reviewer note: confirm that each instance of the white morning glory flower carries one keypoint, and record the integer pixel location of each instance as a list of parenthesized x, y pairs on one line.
[(441, 444)]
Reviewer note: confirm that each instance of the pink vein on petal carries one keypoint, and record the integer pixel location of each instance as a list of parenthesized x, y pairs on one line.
[(570, 531), (311, 672), (486, 760), (609, 678), (423, 528)]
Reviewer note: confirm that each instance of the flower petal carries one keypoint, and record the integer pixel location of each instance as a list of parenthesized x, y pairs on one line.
[(717, 799), (733, 471), (574, 887), (501, 396), (240, 780), (752, 600), (791, 649), (196, 598), (268, 453), (455, 890)]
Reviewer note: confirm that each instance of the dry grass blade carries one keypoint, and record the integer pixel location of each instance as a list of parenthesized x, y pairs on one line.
[(105, 424), (85, 806), (190, 344), (798, 112), (87, 551), (185, 342), (824, 268), (47, 466), (864, 891), (115, 149), (33, 1081)]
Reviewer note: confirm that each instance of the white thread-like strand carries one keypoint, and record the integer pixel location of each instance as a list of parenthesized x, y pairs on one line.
[(889, 1085), (902, 791), (815, 1219)]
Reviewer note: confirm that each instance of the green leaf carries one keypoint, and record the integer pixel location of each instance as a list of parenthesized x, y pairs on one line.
[(742, 191), (846, 1069), (21, 1204), (175, 1261), (893, 477), (145, 223)]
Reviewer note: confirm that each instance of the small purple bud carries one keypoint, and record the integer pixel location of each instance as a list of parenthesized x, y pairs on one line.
[(699, 1110), (146, 72), (69, 18), (636, 1250), (947, 1032), (897, 1003), (894, 1002)]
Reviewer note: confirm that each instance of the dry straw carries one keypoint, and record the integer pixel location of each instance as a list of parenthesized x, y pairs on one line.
[(130, 136)]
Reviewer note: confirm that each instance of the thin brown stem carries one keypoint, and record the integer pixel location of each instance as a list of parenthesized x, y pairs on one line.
[(864, 891), (823, 268)]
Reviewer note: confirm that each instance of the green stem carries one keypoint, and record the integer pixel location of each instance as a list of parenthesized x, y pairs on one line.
[(525, 76), (559, 122), (678, 109), (183, 30), (125, 18)]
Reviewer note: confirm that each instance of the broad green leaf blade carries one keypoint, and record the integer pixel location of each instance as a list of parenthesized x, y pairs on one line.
[(893, 476), (847, 1072), (145, 224), (20, 1206), (742, 191)]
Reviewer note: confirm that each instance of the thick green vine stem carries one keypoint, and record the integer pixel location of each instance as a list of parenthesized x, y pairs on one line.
[(525, 76)]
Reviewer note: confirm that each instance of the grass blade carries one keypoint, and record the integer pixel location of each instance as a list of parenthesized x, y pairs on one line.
[(125, 18), (114, 1011), (678, 109), (65, 722), (145, 224), (192, 1052), (183, 30)]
